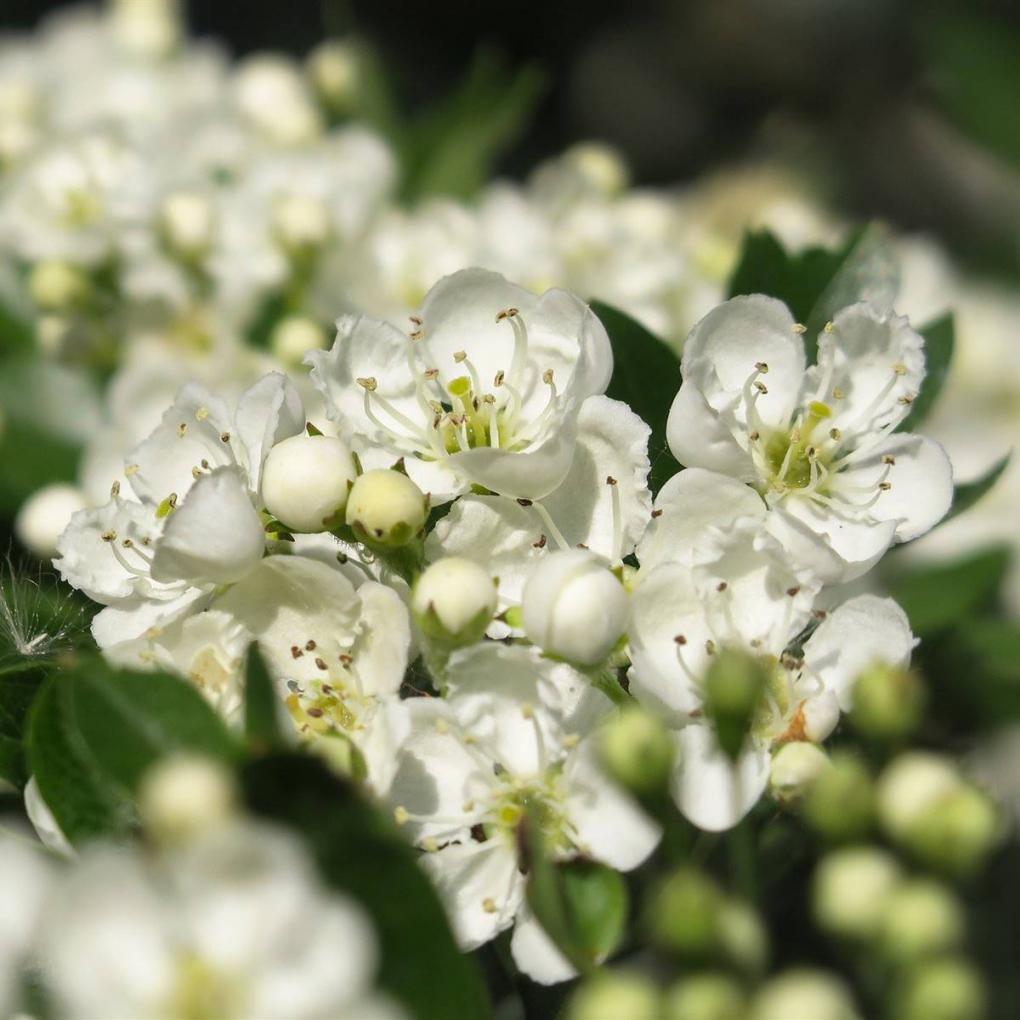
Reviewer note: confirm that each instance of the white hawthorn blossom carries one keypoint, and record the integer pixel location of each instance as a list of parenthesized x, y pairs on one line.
[(194, 524), (486, 389), (234, 924), (513, 736), (818, 443), (713, 578)]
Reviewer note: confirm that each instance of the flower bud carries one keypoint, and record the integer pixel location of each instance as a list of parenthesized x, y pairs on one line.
[(386, 508), (795, 767), (44, 515), (930, 810), (301, 223), (271, 93), (306, 481), (841, 802), (600, 166), (334, 68), (453, 601), (888, 702), (921, 918), (149, 29), (706, 997), (685, 914), (615, 994), (294, 336), (742, 937), (57, 286), (184, 794), (948, 989), (850, 891), (637, 750), (734, 685), (574, 607), (803, 993), (187, 223)]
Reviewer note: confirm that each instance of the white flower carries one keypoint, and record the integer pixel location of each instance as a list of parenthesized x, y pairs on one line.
[(817, 442), (712, 578), (511, 736), (485, 391), (195, 524), (338, 654), (233, 925)]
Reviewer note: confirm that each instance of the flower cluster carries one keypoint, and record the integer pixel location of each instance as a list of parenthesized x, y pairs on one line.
[(483, 504)]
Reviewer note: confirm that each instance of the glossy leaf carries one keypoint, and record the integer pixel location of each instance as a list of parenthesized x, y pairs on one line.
[(967, 495)]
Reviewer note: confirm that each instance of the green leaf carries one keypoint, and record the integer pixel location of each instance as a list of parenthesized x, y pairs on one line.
[(942, 595), (582, 905), (19, 684), (646, 376), (939, 342), (966, 495), (83, 801), (817, 282), (361, 853), (261, 705)]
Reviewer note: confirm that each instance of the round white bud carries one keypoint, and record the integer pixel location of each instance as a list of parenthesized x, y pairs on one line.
[(294, 336), (44, 515), (306, 481), (453, 601), (912, 785), (386, 508), (271, 93), (820, 716), (300, 222), (149, 29), (56, 285), (803, 993), (705, 996), (187, 221), (921, 918), (851, 889), (795, 767), (335, 70), (185, 794), (615, 994), (600, 166), (574, 607), (637, 750)]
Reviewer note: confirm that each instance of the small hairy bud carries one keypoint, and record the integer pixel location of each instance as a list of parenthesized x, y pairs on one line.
[(795, 767), (615, 994), (294, 336), (851, 889), (184, 794), (301, 223), (921, 918), (803, 993), (840, 804), (386, 508), (734, 686), (637, 750), (334, 68), (575, 607), (685, 915), (306, 480), (887, 702), (187, 224), (946, 989), (453, 601), (705, 996), (57, 286), (44, 515)]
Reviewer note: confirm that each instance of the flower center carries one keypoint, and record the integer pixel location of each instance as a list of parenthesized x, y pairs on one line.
[(201, 992), (514, 798), (794, 459)]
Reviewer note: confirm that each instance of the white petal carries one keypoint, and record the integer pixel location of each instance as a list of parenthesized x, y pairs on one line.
[(535, 953), (862, 632), (385, 640), (724, 348), (47, 828), (133, 619), (267, 413), (471, 878), (380, 741), (214, 536), (699, 437), (873, 360), (690, 503), (612, 442), (920, 480), (610, 826), (709, 789)]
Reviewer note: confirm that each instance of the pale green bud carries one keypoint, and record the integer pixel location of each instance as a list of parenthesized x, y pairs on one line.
[(453, 601), (335, 70), (742, 937), (187, 223), (306, 481), (888, 702), (183, 795), (840, 804), (851, 889), (57, 286), (44, 516), (294, 336), (795, 767), (685, 914), (803, 994), (947, 989), (734, 685), (615, 994), (921, 918), (706, 997), (637, 750), (301, 223), (386, 508)]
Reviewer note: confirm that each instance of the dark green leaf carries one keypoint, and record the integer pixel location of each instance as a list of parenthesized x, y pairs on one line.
[(939, 341), (965, 496), (83, 801), (362, 853), (131, 720), (19, 685), (261, 705), (944, 594), (646, 376)]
